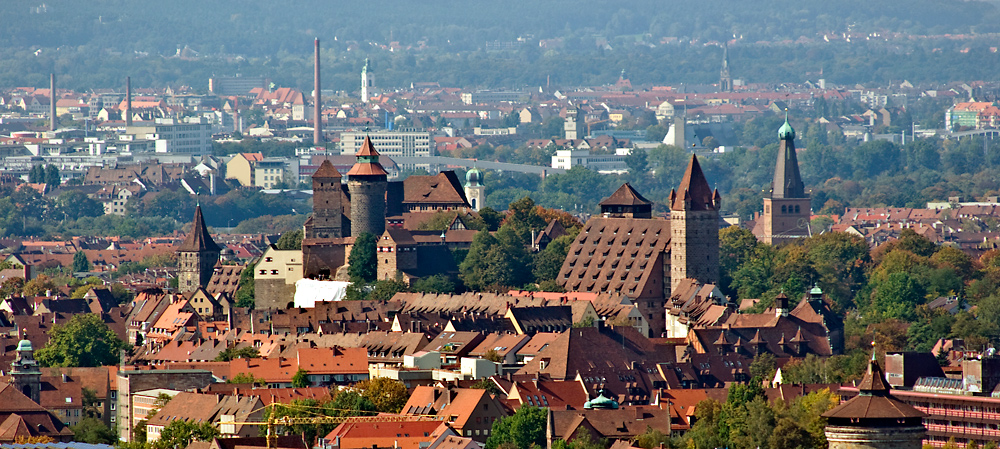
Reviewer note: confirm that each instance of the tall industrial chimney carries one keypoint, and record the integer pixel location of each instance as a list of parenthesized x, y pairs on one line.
[(317, 101), (53, 120), (128, 101)]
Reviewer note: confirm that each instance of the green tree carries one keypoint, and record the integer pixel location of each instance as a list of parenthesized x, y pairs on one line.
[(84, 341), (245, 352), (52, 178), (524, 429), (290, 240), (385, 289), (80, 262), (637, 162), (75, 204), (491, 217), (651, 438), (246, 378), (362, 261), (301, 379), (92, 430), (437, 283), (387, 395), (179, 434), (245, 294)]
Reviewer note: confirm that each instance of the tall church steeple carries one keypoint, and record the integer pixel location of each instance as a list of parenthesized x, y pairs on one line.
[(197, 256), (694, 228), (787, 210), (725, 79), (787, 181)]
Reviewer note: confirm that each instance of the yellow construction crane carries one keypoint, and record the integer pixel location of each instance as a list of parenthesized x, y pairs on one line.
[(272, 421)]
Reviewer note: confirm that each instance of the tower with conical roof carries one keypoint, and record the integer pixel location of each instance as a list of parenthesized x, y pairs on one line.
[(874, 418), (725, 79), (694, 228), (24, 372), (787, 210), (328, 208), (197, 256), (367, 182), (475, 191)]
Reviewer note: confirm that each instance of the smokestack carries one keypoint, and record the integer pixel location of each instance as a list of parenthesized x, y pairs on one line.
[(53, 120), (128, 101), (317, 101)]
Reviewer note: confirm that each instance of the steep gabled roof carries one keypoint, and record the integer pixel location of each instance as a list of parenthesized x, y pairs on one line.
[(199, 239)]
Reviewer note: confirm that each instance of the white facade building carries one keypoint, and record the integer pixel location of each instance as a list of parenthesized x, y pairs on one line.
[(192, 135)]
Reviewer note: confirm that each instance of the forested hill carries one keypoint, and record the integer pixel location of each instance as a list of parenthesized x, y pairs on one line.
[(260, 28), (510, 44)]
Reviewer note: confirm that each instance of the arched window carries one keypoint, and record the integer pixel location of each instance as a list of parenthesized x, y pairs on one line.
[(796, 208), (784, 209)]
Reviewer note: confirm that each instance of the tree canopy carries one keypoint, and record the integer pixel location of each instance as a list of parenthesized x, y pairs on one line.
[(85, 341)]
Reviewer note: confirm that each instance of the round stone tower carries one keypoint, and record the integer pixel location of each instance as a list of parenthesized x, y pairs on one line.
[(874, 419), (367, 183)]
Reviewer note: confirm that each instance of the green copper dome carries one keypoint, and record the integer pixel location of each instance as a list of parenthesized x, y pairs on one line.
[(24, 345), (601, 402), (473, 177), (786, 132)]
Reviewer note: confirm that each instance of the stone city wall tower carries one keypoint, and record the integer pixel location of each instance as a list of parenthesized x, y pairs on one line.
[(367, 183)]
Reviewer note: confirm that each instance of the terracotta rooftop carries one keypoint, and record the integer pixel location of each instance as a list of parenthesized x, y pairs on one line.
[(626, 195), (875, 401), (693, 193), (326, 170)]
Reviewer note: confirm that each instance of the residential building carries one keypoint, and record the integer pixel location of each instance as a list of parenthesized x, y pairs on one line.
[(399, 142), (192, 135)]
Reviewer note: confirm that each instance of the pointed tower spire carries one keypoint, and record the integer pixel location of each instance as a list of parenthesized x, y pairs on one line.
[(197, 256), (787, 181), (199, 239), (694, 192)]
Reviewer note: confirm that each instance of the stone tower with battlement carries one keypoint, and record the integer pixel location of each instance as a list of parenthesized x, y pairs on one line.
[(197, 256), (367, 183), (787, 210), (328, 210), (694, 229)]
